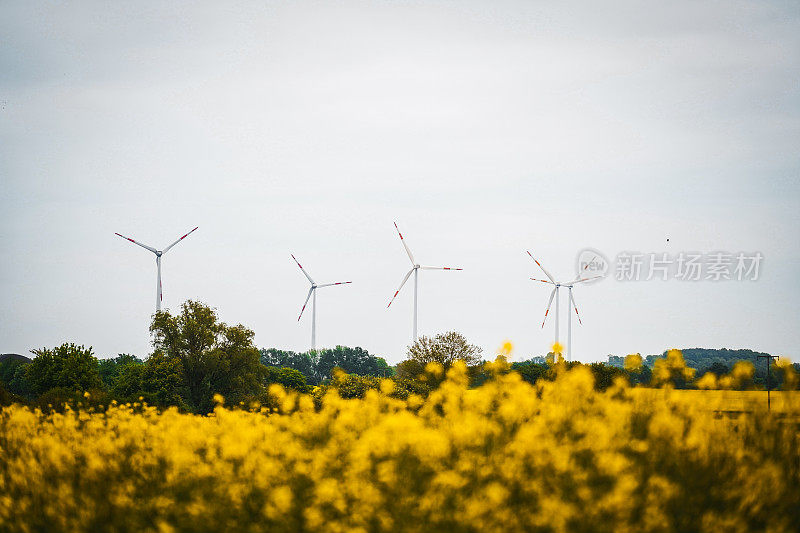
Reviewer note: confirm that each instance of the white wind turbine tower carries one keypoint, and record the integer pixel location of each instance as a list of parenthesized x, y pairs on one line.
[(313, 292), (158, 253), (415, 269), (554, 294)]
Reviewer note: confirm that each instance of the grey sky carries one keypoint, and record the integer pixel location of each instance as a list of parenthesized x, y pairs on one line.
[(483, 129)]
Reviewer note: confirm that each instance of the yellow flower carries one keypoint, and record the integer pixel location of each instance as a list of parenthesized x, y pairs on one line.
[(633, 362), (506, 349), (434, 368), (559, 455)]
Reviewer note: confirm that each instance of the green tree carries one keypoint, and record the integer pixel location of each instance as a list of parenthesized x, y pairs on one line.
[(19, 384), (604, 375), (305, 362), (67, 366), (384, 370), (214, 357), (445, 349), (409, 369), (288, 377), (353, 385), (13, 378), (110, 369), (530, 371), (8, 367), (352, 360), (158, 381)]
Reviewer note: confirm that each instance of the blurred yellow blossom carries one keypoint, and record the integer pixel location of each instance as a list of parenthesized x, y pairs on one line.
[(554, 456), (505, 349), (633, 362)]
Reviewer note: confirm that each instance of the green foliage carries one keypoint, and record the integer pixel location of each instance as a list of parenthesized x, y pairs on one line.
[(403, 388), (353, 385), (721, 361), (384, 369), (641, 376), (288, 377), (14, 378), (7, 397), (718, 369), (409, 369), (305, 362), (350, 386), (317, 365), (214, 357), (7, 369), (702, 358), (158, 381), (604, 375), (530, 371), (351, 360), (59, 399), (110, 369), (616, 360), (444, 348), (67, 366)]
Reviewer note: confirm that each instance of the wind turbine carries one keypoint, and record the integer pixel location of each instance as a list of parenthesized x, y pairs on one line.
[(158, 253), (415, 269), (557, 285), (313, 292)]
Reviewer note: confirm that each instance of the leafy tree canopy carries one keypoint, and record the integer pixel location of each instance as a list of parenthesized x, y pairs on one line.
[(288, 377), (445, 349), (111, 368), (352, 360), (318, 365), (214, 357), (305, 362), (67, 366)]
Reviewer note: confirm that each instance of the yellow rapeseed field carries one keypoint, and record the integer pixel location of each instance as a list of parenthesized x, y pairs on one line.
[(557, 456)]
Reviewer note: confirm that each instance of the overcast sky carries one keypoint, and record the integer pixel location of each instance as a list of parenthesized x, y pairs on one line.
[(483, 128)]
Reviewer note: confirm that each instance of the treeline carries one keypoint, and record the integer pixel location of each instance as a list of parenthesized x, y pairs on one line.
[(316, 366), (195, 357), (719, 362)]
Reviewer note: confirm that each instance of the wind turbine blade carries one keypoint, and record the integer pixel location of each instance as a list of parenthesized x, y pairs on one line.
[(401, 286), (179, 240), (303, 269), (575, 306), (571, 283), (546, 273), (135, 242), (584, 268), (305, 303), (542, 280), (405, 245), (331, 284), (439, 268), (552, 294)]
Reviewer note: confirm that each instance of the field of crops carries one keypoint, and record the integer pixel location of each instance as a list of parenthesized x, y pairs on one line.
[(729, 401), (557, 456)]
